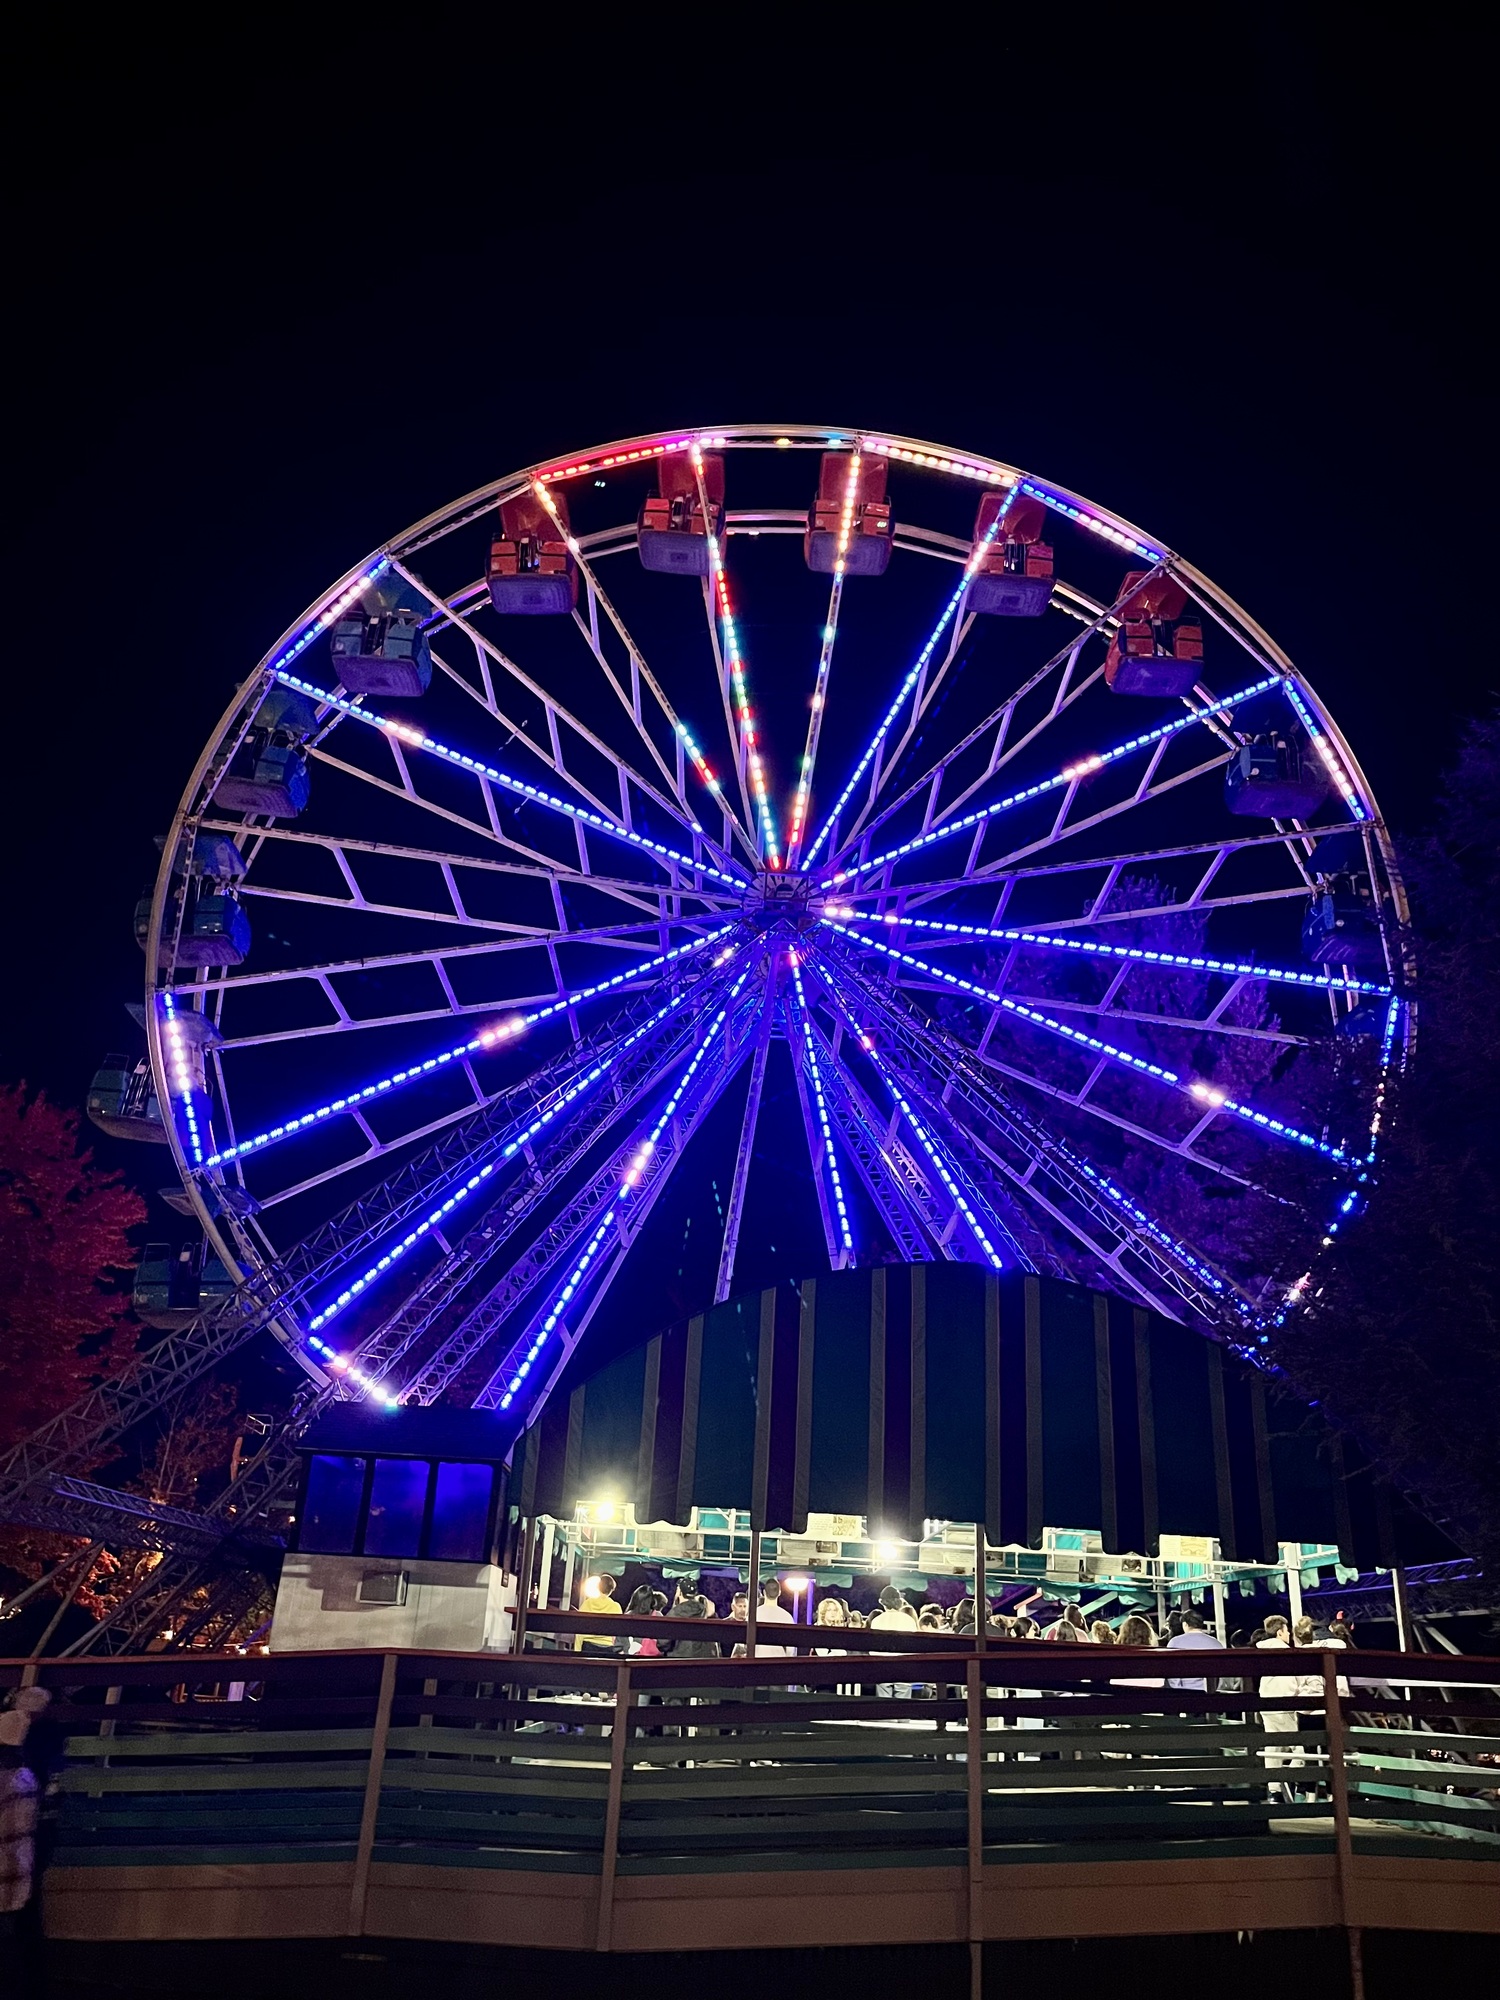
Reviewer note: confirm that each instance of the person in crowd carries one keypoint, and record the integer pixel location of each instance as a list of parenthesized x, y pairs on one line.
[(832, 1611), (20, 1930), (1024, 1628), (1193, 1636), (1284, 1687), (1063, 1633), (894, 1615), (1173, 1627), (1135, 1631), (963, 1618), (930, 1619), (599, 1598), (642, 1605), (772, 1612), (689, 1606), (1076, 1623), (1102, 1632), (856, 1621)]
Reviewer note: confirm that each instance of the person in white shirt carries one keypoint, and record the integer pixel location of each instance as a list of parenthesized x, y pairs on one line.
[(772, 1612), (1284, 1687), (894, 1615)]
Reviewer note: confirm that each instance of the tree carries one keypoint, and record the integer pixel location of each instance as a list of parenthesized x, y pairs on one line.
[(64, 1245), (1401, 1339)]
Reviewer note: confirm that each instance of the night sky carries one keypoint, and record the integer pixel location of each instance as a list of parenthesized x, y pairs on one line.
[(274, 308)]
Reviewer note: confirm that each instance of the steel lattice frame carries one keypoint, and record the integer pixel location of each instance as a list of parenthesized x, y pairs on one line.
[(1040, 990)]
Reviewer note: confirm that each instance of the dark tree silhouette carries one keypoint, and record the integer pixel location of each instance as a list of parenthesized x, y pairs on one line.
[(1402, 1339), (64, 1245)]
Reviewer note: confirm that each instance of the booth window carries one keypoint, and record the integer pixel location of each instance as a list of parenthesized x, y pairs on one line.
[(398, 1501), (461, 1513), (331, 1514)]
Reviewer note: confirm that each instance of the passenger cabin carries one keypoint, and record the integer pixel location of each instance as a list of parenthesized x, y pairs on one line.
[(1014, 578), (215, 929), (1157, 647), (382, 651), (173, 1286), (397, 1524), (869, 548), (268, 773), (672, 533), (122, 1100), (1272, 777), (1342, 925), (531, 572)]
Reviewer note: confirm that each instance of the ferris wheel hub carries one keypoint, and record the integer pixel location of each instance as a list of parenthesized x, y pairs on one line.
[(781, 896)]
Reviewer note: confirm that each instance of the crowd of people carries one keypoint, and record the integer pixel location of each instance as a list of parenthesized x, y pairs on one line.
[(1031, 1618)]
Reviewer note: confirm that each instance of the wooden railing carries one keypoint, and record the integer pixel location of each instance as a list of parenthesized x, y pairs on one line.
[(627, 1782)]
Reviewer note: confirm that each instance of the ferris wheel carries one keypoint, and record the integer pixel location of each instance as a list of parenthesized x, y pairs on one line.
[(1051, 875)]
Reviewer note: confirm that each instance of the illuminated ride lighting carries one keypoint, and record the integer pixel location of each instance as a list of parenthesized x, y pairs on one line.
[(737, 677), (631, 1180), (350, 1371), (1326, 752), (331, 613), (971, 568), (1195, 962), (930, 1148), (817, 1083), (488, 1038), (938, 461), (1204, 1093), (418, 739), (520, 1136), (618, 458), (700, 763), (825, 662), (1094, 524), (1082, 768), (180, 1073)]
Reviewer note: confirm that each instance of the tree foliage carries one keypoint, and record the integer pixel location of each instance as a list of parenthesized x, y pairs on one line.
[(64, 1245), (1401, 1341)]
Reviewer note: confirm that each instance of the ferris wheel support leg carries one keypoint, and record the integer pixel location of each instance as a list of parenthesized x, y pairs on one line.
[(734, 1213)]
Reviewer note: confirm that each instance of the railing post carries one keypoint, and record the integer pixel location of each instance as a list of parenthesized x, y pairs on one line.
[(981, 1588), (359, 1888), (974, 1717), (1343, 1843), (752, 1598), (1402, 1606), (619, 1744)]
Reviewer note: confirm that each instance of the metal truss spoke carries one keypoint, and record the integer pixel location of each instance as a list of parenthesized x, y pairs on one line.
[(821, 1151), (1108, 1012), (743, 1156)]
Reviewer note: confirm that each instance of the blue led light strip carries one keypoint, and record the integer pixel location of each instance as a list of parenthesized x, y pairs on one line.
[(631, 1179), (330, 615), (817, 1083), (417, 739), (825, 663), (923, 659), (1231, 967), (1327, 754), (1203, 1093), (1095, 526), (489, 1038), (521, 1136), (180, 1071), (1083, 768), (924, 1139)]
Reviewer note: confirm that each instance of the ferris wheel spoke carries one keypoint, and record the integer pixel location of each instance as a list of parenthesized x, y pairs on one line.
[(1242, 971), (487, 1040), (406, 735), (551, 1107), (606, 1220), (555, 712), (803, 792), (812, 1100), (1066, 782), (1205, 1096), (1101, 1217)]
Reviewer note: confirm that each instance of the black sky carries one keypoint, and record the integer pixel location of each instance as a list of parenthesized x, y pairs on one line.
[(273, 303)]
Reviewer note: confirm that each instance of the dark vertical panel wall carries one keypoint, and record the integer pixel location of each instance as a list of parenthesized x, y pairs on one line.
[(955, 1399), (839, 1451), (943, 1392)]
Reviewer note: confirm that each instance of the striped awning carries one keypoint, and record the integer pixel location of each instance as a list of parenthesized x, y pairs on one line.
[(934, 1391)]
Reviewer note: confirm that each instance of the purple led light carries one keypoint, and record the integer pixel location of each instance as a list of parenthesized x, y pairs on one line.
[(490, 1038), (923, 659), (1081, 769), (417, 739), (180, 1074), (1204, 1093), (1327, 755), (330, 615), (817, 1083)]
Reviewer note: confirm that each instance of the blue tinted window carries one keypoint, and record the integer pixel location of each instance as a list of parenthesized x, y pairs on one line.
[(461, 1513), (334, 1486), (397, 1500)]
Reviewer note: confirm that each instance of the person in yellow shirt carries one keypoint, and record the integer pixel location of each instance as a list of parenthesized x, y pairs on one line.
[(599, 1597)]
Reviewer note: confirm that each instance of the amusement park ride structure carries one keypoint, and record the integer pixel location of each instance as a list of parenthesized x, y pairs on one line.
[(1090, 961)]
